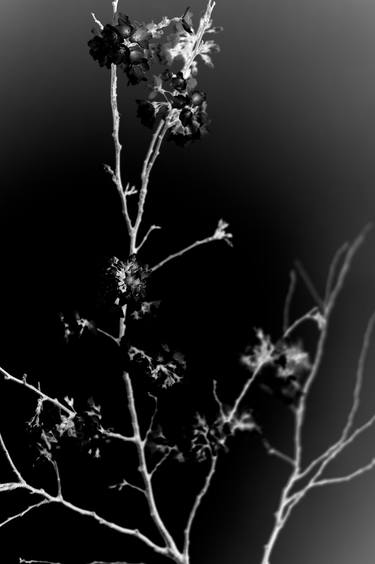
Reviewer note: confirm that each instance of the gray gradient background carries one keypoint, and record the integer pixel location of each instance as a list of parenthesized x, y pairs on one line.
[(290, 162)]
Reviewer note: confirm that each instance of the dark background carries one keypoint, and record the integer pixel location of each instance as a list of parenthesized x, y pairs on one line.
[(289, 163)]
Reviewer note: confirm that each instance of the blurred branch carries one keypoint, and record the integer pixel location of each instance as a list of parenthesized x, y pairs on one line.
[(292, 492)]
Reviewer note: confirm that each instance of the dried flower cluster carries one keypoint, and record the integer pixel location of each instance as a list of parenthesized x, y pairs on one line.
[(138, 48)]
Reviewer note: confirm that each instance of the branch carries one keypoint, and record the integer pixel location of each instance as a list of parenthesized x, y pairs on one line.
[(337, 447), (145, 474), (309, 284), (37, 391), (11, 486), (11, 463), (48, 498), (288, 500), (167, 453), (118, 436), (348, 478), (288, 300), (332, 270), (101, 520), (262, 362), (98, 22), (271, 450), (218, 400), (328, 307), (197, 503), (345, 439), (359, 376), (126, 484), (24, 512), (152, 154), (152, 420), (312, 315), (22, 561), (151, 229), (350, 253), (220, 234), (58, 478)]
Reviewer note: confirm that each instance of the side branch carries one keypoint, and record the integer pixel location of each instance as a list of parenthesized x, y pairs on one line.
[(37, 391), (152, 154), (220, 234), (145, 474), (197, 503)]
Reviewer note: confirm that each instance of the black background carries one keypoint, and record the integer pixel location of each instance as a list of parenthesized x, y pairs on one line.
[(289, 163)]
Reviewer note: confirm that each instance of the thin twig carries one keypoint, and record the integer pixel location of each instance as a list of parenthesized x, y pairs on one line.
[(152, 419), (218, 400), (347, 478), (151, 229), (160, 462), (152, 154), (276, 452), (359, 376), (289, 500), (183, 251), (10, 460), (117, 436), (126, 484), (58, 478), (24, 512), (332, 270), (309, 316), (37, 391), (233, 412), (309, 284), (198, 501), (289, 298), (98, 22)]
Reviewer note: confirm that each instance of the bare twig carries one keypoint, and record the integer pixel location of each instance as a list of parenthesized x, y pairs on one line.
[(37, 391), (347, 478), (152, 154), (22, 561), (359, 377), (151, 229), (198, 501), (309, 284), (58, 478), (160, 462), (271, 450), (289, 298), (98, 22), (220, 234), (152, 419), (218, 401), (125, 484), (289, 500), (340, 253), (117, 436), (24, 512), (10, 461)]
